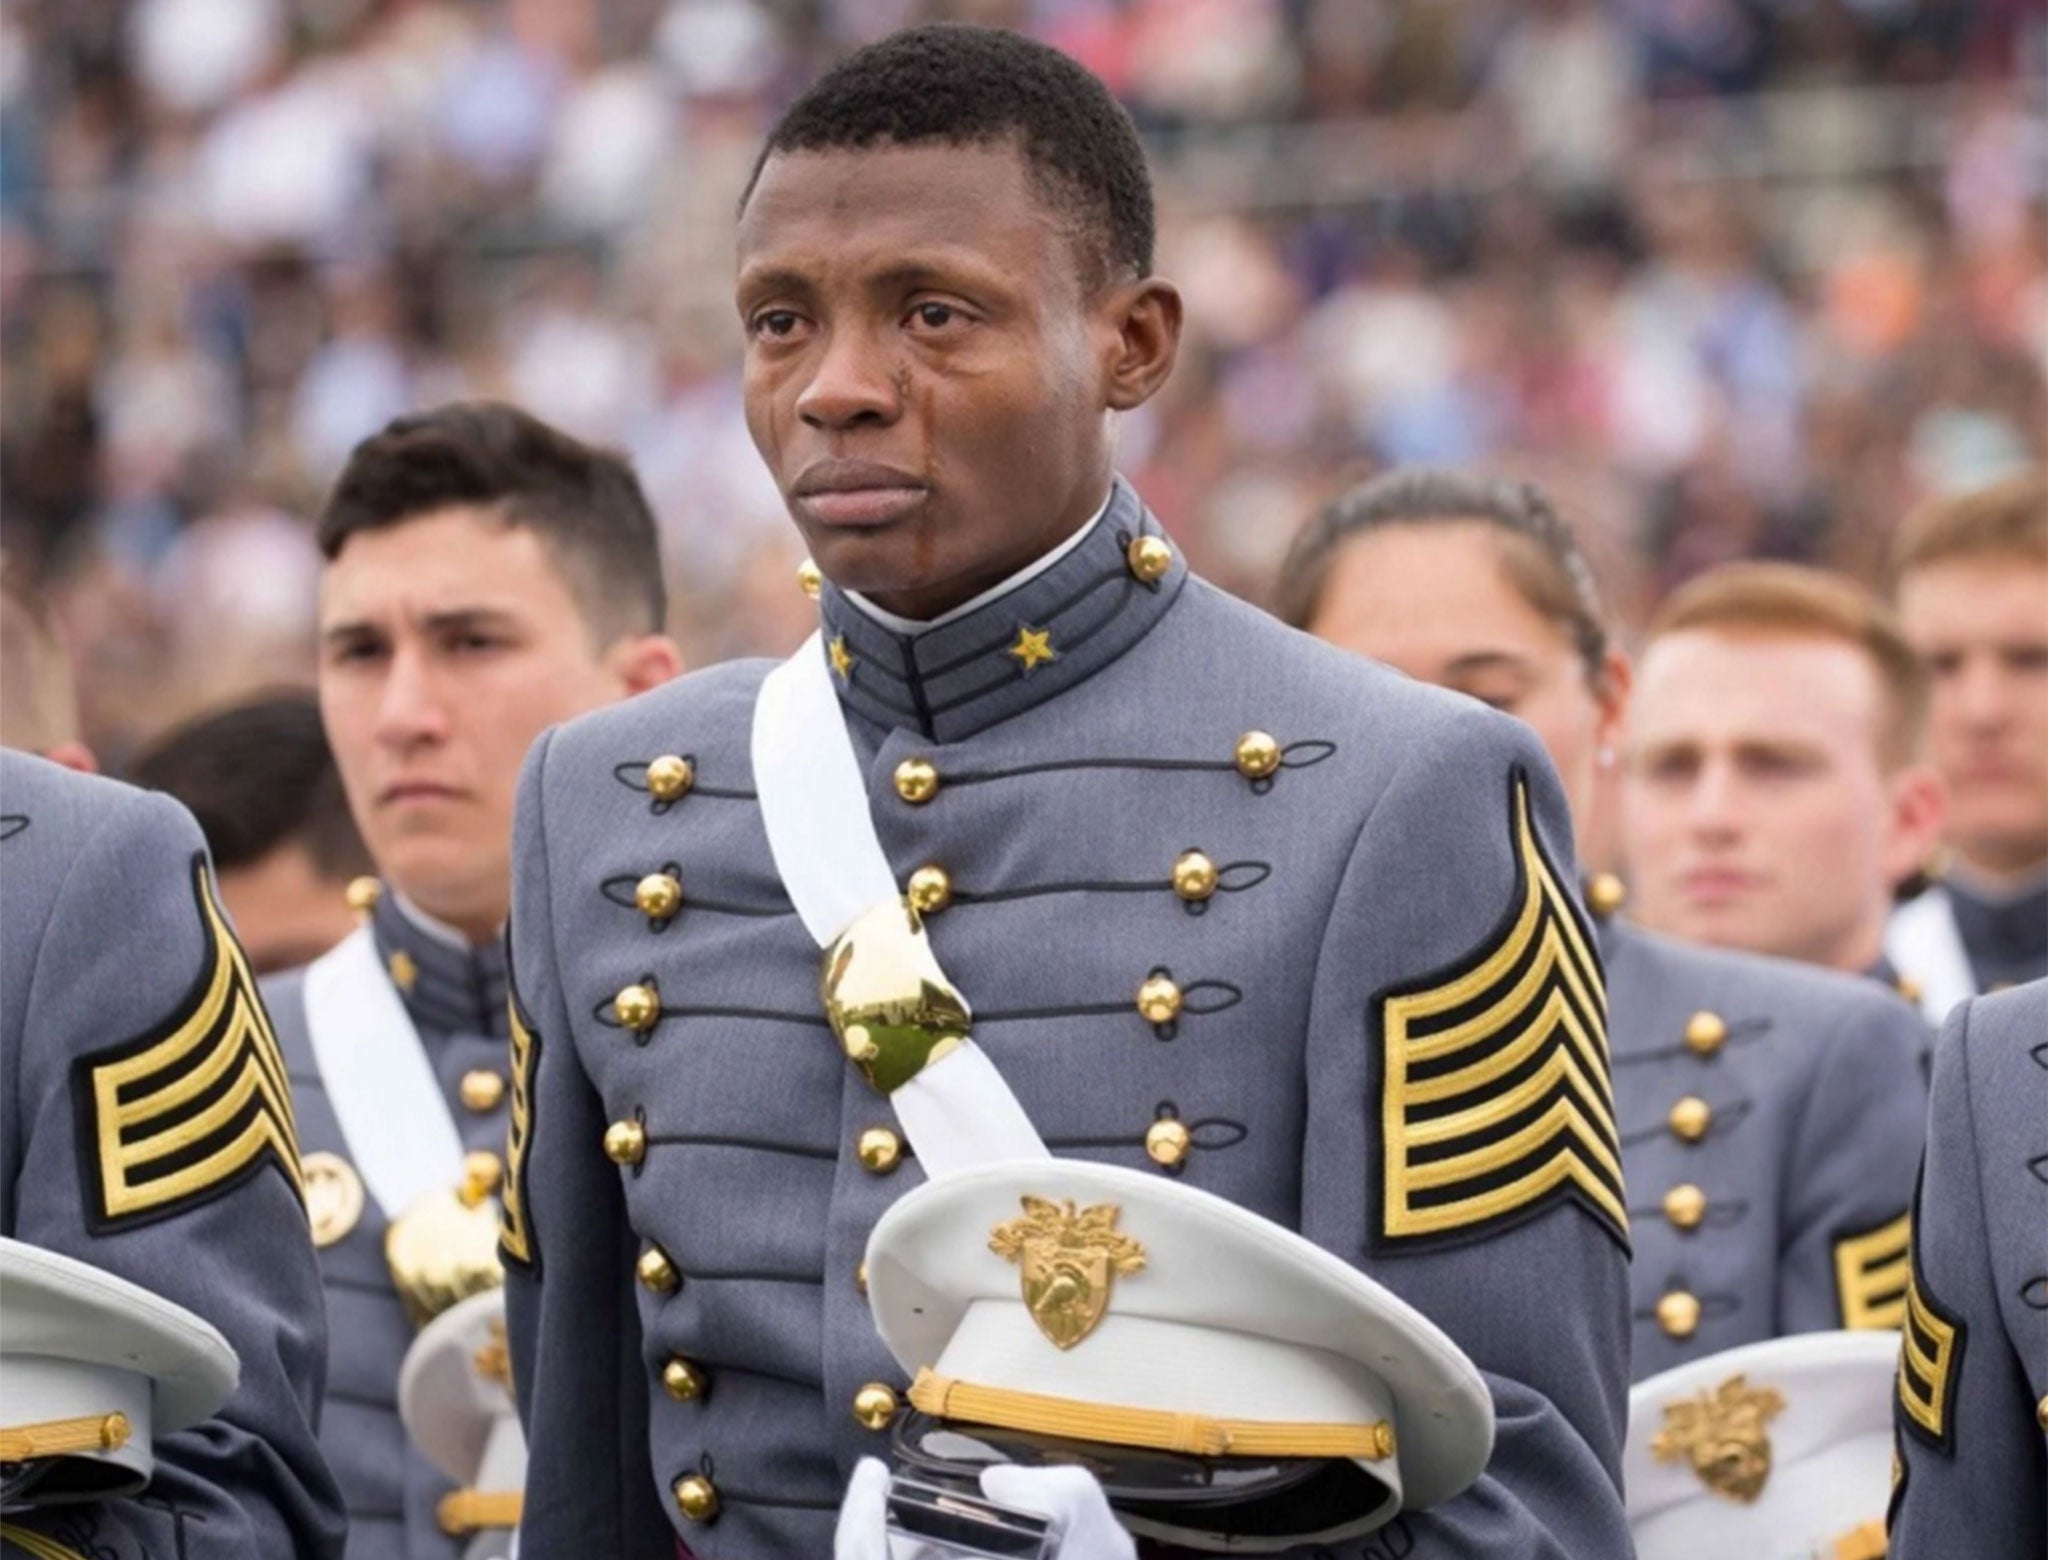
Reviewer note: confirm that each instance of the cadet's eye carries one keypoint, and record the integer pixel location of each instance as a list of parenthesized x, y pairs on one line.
[(935, 316), (777, 324)]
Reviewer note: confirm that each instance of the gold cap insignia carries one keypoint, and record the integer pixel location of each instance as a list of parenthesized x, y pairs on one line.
[(1721, 1433), (1068, 1262), (334, 1196)]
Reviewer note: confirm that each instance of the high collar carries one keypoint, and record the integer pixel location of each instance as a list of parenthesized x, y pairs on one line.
[(1050, 629), (2009, 928), (447, 986)]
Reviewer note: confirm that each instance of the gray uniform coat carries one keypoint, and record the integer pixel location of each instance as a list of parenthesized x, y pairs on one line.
[(1400, 870), (1770, 1159), (456, 999), (112, 947), (1972, 1408)]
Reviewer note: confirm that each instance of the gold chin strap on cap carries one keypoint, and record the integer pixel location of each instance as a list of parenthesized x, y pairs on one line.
[(1155, 1429), (463, 1512), (35, 1545), (65, 1437)]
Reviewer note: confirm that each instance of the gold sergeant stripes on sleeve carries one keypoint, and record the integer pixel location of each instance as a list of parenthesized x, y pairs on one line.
[(35, 1545), (179, 1116), (515, 1236), (1871, 1274), (1496, 1096), (1929, 1356)]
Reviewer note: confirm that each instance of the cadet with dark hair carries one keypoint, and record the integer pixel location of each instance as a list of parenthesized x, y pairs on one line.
[(486, 576), (260, 779), (1770, 1113), (148, 1130), (1208, 890)]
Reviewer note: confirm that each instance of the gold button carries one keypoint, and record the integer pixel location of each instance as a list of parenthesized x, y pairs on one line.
[(669, 777), (1149, 558), (1685, 1205), (1704, 1033), (482, 1089), (879, 1150), (1194, 876), (696, 1498), (625, 1142), (1167, 1143), (681, 1380), (874, 1406), (860, 1277), (1159, 1000), (1382, 1441), (1690, 1118), (483, 1172), (917, 782), (1909, 989), (656, 1272), (1678, 1313), (659, 895), (930, 890), (638, 1007), (810, 579), (1606, 894), (1257, 755), (362, 894), (2041, 1413)]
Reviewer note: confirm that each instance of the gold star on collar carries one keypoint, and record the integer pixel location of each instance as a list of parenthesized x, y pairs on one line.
[(1033, 646), (841, 657), (404, 973)]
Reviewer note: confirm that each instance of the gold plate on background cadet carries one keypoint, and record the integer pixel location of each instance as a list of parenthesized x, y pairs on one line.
[(334, 1196)]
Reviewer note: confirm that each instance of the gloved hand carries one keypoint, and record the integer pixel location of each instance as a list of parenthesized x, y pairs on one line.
[(1072, 1500), (1066, 1497)]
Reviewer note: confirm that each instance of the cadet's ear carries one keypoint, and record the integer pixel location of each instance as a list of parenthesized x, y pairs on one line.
[(1919, 815), (1146, 316), (643, 661)]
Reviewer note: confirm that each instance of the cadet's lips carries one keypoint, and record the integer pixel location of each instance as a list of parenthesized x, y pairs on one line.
[(857, 493), (402, 791)]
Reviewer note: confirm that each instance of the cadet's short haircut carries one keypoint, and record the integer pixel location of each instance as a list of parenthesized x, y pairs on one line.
[(972, 86), (2009, 519), (584, 503), (1807, 603), (259, 775), (1540, 555)]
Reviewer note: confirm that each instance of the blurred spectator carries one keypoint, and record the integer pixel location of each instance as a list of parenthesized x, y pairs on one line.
[(1738, 277), (261, 780), (38, 703)]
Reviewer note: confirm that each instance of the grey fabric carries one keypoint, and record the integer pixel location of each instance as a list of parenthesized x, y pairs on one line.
[(457, 1002), (1979, 1489), (2005, 936), (1377, 858), (103, 945), (1818, 1110)]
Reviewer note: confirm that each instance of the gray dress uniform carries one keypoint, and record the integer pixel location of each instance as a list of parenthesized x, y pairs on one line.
[(1228, 904), (1771, 1121), (148, 1131), (1972, 1410), (456, 998)]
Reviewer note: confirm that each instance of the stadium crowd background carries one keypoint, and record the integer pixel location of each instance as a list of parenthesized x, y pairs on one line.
[(1731, 277)]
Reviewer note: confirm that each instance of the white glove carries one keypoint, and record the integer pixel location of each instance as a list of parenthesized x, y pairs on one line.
[(1082, 1522), (1068, 1498), (863, 1531)]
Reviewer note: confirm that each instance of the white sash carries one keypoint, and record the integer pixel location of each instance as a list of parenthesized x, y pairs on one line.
[(958, 1112), (1923, 944), (394, 1118)]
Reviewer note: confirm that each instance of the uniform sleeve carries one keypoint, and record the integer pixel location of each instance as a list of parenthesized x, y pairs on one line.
[(1461, 1144), (570, 1311), (1849, 1178), (138, 986), (1971, 1471)]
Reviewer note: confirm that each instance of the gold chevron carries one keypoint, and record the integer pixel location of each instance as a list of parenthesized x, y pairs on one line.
[(145, 1099), (1871, 1272), (515, 1237), (1555, 1007), (35, 1544), (1927, 1362)]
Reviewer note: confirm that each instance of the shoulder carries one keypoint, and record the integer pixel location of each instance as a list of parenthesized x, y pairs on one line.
[(712, 707), (1995, 1046), (50, 816)]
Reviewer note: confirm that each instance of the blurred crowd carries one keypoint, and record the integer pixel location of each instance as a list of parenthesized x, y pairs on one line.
[(1731, 277)]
